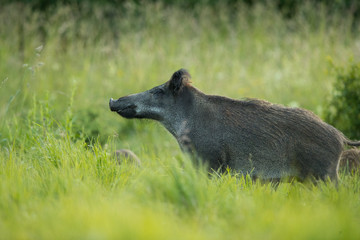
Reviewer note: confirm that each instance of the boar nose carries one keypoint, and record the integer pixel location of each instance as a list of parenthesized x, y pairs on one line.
[(111, 104)]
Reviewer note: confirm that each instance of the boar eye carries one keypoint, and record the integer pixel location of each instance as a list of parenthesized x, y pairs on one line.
[(158, 91)]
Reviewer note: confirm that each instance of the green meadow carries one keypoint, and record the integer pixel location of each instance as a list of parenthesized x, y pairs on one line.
[(58, 70)]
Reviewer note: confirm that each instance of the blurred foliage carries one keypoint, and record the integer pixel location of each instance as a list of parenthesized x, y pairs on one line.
[(288, 7), (343, 110), (110, 49)]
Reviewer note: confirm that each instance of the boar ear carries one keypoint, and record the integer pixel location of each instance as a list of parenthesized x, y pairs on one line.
[(178, 80)]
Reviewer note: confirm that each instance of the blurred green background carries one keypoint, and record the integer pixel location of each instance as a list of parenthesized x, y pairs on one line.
[(61, 61), (279, 51)]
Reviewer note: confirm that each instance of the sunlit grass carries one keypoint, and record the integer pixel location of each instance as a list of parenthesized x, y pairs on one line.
[(60, 189), (58, 183)]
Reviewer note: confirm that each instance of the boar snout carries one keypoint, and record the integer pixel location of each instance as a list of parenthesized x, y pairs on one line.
[(111, 104), (122, 107), (115, 105)]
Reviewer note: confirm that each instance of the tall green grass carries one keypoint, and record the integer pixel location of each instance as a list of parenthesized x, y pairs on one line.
[(53, 187), (58, 176)]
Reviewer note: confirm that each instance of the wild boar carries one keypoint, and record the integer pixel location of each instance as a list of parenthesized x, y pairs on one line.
[(126, 154), (350, 161), (265, 140)]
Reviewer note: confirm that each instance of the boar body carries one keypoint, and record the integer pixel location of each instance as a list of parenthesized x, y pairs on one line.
[(267, 141)]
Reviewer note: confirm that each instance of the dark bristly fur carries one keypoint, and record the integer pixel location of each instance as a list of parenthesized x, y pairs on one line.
[(265, 140)]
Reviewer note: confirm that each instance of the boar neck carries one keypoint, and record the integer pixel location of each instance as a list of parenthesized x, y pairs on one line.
[(191, 106)]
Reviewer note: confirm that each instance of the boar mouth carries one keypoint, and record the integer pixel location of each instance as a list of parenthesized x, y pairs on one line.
[(127, 112)]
